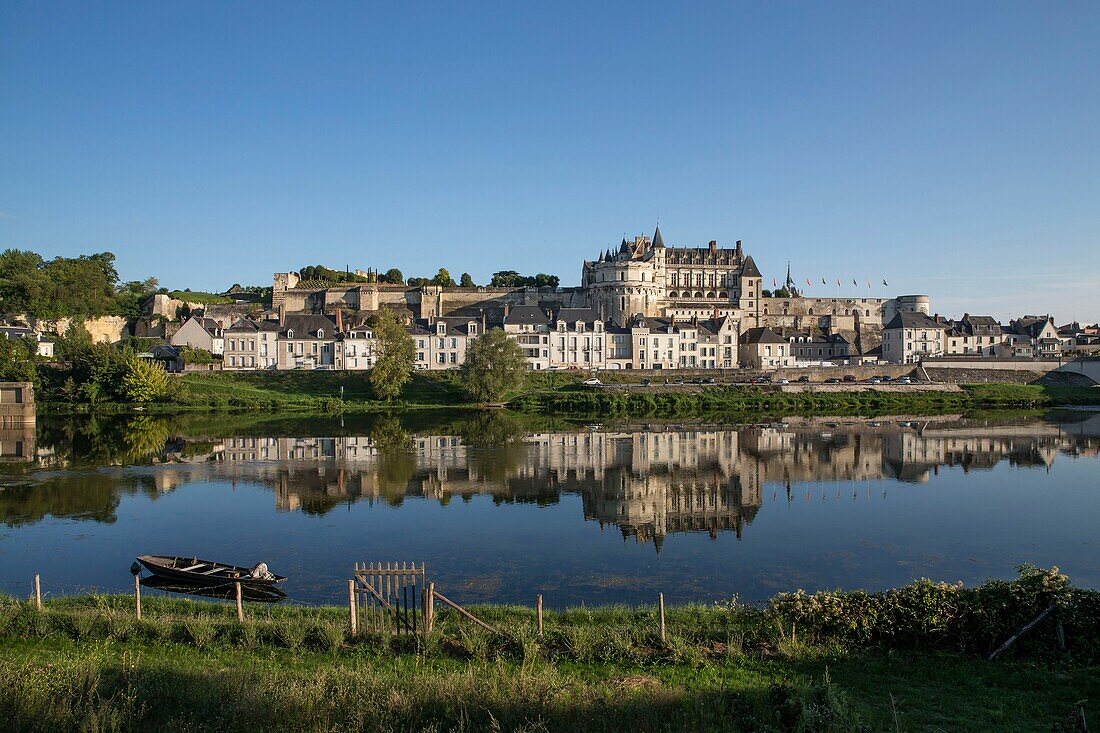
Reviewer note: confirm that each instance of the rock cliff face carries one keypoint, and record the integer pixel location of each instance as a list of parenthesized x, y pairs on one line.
[(104, 329)]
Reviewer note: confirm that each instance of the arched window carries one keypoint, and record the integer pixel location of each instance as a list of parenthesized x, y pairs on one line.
[(811, 311), (320, 333), (765, 310), (290, 333), (723, 294), (698, 295), (710, 294)]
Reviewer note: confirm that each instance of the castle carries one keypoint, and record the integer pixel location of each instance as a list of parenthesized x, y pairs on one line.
[(643, 277)]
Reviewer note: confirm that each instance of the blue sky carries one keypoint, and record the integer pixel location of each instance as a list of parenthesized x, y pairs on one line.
[(951, 148)]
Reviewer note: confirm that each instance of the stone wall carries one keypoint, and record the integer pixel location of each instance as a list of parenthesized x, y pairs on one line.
[(105, 329)]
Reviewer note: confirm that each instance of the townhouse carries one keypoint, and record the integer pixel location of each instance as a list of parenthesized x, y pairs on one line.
[(911, 336)]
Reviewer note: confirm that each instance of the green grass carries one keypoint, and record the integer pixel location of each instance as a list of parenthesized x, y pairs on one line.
[(719, 400), (86, 664), (197, 296), (310, 391)]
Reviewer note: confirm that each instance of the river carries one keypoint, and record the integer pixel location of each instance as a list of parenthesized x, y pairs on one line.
[(499, 509)]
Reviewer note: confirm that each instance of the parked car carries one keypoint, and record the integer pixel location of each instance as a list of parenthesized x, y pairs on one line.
[(761, 380), (804, 378), (646, 382), (904, 380), (875, 380), (593, 382), (711, 380), (850, 378), (886, 378), (784, 381), (832, 380)]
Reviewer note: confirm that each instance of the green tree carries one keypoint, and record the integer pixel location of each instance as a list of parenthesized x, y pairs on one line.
[(18, 360), (418, 281), (191, 355), (494, 366), (75, 341), (394, 355), (443, 278), (143, 381), (393, 276), (466, 281), (506, 279)]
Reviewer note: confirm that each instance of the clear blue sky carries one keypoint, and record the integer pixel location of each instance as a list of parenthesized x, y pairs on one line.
[(952, 148)]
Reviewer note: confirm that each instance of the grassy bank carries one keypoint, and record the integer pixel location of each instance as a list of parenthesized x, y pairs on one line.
[(746, 399), (908, 660), (561, 393)]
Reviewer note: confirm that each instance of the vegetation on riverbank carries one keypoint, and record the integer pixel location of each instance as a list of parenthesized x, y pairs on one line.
[(910, 659), (719, 399)]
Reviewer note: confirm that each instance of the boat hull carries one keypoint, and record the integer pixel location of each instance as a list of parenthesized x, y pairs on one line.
[(203, 572)]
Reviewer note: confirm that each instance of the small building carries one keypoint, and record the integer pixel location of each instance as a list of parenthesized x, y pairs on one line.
[(763, 348), (251, 344), (973, 336), (912, 336), (44, 344), (1040, 332), (199, 332), (307, 341), (529, 326)]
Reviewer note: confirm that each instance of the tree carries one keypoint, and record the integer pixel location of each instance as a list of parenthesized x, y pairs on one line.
[(494, 366), (75, 341), (18, 359), (466, 281), (443, 278), (393, 276), (512, 279), (394, 354), (143, 381), (418, 281), (506, 279)]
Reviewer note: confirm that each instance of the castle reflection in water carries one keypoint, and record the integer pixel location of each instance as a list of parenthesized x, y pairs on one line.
[(650, 482)]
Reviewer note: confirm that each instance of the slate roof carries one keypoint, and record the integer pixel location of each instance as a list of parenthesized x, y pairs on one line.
[(762, 335), (306, 326), (572, 315), (907, 319), (749, 268), (527, 315)]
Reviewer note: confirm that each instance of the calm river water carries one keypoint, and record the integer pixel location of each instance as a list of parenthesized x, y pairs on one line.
[(500, 510)]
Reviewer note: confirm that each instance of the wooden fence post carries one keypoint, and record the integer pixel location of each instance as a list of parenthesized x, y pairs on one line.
[(240, 605), (661, 611), (37, 591), (429, 622), (538, 611), (137, 596), (425, 627), (353, 612)]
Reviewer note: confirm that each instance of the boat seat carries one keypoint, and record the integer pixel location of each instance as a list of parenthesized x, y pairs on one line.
[(212, 570), (193, 567)]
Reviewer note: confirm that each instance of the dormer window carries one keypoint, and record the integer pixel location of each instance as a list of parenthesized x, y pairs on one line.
[(320, 333), (472, 328), (290, 333)]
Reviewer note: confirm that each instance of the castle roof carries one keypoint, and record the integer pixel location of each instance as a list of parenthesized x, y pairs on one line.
[(658, 242), (749, 269)]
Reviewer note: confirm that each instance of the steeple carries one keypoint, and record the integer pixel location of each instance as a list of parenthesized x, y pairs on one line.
[(658, 242)]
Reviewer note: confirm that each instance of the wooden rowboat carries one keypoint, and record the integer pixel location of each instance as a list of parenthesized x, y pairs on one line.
[(206, 572)]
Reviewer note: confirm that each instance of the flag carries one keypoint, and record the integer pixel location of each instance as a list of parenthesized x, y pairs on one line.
[(823, 281), (808, 283), (885, 283), (868, 284), (854, 282), (774, 283), (838, 282)]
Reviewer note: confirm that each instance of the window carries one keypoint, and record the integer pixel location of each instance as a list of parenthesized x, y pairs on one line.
[(290, 333)]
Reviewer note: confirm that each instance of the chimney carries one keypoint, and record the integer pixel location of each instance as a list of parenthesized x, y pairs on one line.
[(507, 308), (339, 320), (738, 248), (282, 313), (484, 321), (713, 245)]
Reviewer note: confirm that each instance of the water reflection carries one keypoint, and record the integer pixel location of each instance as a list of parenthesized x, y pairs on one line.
[(650, 481)]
